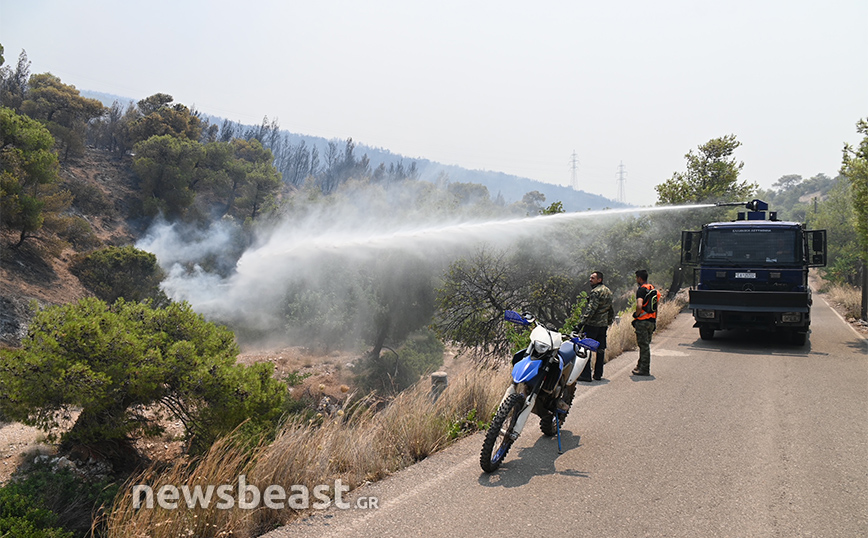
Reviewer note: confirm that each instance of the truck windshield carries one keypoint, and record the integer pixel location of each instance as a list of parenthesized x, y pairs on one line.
[(758, 245)]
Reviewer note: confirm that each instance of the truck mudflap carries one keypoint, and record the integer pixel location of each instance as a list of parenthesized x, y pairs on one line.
[(750, 301)]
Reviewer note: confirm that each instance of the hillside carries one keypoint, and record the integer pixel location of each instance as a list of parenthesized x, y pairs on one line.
[(103, 186), (510, 187)]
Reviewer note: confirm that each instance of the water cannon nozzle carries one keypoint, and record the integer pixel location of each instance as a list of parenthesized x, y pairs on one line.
[(753, 205), (757, 205)]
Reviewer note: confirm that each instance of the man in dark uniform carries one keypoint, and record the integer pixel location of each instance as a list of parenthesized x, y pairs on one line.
[(596, 318), (644, 321)]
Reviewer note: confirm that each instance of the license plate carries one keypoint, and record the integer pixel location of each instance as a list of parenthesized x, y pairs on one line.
[(745, 275)]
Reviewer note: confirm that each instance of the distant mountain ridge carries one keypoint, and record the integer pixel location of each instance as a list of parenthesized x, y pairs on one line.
[(511, 187)]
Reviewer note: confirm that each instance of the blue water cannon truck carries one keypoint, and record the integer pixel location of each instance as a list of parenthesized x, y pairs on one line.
[(752, 273)]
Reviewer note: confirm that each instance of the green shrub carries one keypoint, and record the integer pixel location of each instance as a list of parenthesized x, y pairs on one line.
[(22, 516), (395, 370), (78, 232), (386, 373), (294, 379), (59, 499), (115, 362), (422, 352), (114, 272), (89, 198), (470, 423), (844, 268)]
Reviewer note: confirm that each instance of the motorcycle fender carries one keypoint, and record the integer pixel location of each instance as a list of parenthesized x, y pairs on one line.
[(522, 418), (525, 370), (577, 369), (509, 390), (565, 377)]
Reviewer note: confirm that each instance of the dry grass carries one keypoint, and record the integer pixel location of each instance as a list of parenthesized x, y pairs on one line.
[(223, 464), (355, 446), (849, 298)]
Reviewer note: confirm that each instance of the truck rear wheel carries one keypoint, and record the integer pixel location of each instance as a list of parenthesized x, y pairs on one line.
[(798, 339), (706, 333)]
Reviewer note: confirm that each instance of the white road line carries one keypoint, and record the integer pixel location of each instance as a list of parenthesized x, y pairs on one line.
[(860, 335)]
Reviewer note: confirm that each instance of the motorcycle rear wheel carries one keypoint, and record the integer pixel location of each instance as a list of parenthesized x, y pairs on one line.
[(500, 433)]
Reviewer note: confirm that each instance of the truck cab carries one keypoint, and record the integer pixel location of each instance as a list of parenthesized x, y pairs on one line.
[(752, 273)]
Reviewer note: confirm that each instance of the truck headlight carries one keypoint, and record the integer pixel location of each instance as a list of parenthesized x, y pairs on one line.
[(791, 317), (708, 314)]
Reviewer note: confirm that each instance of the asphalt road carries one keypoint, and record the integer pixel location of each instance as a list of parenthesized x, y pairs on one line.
[(742, 436)]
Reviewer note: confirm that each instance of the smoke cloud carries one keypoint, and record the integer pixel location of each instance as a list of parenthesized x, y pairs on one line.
[(313, 239)]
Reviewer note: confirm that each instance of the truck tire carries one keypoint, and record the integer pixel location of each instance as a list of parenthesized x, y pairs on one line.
[(798, 339), (706, 333)]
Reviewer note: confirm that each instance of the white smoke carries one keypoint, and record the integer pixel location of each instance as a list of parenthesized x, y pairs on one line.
[(174, 244), (359, 224)]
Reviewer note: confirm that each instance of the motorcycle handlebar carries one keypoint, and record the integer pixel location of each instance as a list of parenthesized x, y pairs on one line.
[(573, 337), (527, 318)]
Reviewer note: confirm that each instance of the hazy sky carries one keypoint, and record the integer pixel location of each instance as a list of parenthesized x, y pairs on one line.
[(507, 86)]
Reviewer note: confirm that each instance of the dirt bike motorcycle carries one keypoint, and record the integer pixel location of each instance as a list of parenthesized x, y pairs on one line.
[(543, 383)]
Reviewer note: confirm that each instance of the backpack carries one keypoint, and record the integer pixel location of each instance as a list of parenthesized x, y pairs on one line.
[(649, 305)]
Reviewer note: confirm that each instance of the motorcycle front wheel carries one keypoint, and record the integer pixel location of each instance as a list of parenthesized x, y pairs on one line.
[(499, 438)]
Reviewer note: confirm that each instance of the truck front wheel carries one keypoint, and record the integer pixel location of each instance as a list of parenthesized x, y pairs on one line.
[(706, 333)]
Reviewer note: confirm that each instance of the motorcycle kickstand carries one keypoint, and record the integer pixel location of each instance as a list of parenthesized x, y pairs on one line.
[(558, 423)]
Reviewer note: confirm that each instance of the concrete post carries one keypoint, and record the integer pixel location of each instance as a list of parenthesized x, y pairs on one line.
[(439, 382)]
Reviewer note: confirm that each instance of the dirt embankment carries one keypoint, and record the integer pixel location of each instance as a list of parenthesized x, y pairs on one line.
[(34, 272)]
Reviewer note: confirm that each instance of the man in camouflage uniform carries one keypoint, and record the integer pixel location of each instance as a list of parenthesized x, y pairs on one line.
[(644, 321), (596, 318)]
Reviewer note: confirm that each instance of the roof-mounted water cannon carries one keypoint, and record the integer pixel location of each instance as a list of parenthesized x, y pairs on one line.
[(756, 210)]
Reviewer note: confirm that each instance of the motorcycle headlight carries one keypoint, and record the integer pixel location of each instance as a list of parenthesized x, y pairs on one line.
[(541, 347)]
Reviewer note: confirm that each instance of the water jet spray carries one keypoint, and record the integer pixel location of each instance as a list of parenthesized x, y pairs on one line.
[(327, 249), (332, 240)]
